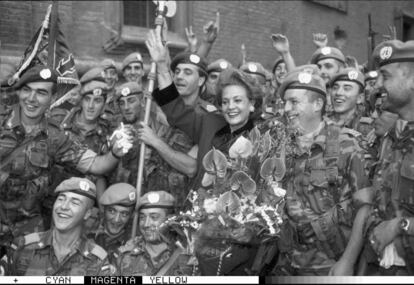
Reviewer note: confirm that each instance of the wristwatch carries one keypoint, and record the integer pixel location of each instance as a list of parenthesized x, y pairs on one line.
[(404, 224)]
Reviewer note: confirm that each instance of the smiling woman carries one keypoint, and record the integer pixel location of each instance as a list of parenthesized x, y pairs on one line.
[(238, 93)]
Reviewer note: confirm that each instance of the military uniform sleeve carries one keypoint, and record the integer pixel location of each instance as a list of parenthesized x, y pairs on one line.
[(178, 114), (359, 182)]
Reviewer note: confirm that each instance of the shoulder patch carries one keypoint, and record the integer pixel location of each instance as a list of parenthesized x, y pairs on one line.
[(351, 132), (31, 238), (366, 120), (99, 252)]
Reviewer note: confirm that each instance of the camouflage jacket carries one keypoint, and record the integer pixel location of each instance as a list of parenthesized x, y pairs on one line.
[(25, 179), (325, 185), (35, 256), (133, 259), (393, 184), (109, 242), (95, 139)]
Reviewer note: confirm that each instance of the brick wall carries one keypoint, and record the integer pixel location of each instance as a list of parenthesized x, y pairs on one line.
[(248, 22)]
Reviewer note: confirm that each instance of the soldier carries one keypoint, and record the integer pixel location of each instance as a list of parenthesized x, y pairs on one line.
[(110, 75), (214, 69), (330, 61), (153, 253), (84, 124), (325, 183), (63, 250), (190, 75), (30, 144), (391, 231), (347, 92), (133, 68), (371, 92), (167, 164), (118, 202)]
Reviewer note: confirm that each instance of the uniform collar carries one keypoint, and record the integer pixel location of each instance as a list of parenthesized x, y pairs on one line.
[(70, 122), (14, 121)]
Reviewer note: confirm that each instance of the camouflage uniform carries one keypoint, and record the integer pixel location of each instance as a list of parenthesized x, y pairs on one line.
[(394, 187), (133, 259), (26, 178), (324, 187), (109, 242), (35, 256)]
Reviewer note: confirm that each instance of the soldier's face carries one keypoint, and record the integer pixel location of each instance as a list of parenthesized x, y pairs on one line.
[(130, 107), (328, 67), (133, 72), (384, 122), (92, 107), (111, 77), (345, 96), (149, 223), (187, 79), (236, 106), (116, 217), (212, 81), (34, 99), (395, 80), (280, 72), (299, 111), (70, 210)]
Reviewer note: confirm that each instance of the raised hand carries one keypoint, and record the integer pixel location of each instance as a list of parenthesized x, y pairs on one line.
[(157, 50), (191, 39), (320, 40), (280, 43), (211, 29)]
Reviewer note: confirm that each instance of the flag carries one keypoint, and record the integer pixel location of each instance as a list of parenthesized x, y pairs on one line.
[(49, 47)]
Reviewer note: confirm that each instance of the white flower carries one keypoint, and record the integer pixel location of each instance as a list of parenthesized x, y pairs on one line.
[(242, 147), (209, 205)]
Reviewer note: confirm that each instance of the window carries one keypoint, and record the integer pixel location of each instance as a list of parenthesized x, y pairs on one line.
[(134, 19), (404, 24), (140, 14)]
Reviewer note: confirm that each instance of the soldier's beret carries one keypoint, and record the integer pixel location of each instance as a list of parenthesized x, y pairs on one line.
[(95, 73), (108, 63), (303, 77), (94, 87), (278, 61), (81, 186), (349, 74), (38, 73), (119, 194), (373, 74), (393, 51), (133, 57), (156, 199), (127, 89), (254, 68), (327, 52), (191, 58), (218, 65)]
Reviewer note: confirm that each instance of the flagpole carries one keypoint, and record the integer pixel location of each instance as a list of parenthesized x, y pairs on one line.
[(51, 52), (23, 67), (159, 20)]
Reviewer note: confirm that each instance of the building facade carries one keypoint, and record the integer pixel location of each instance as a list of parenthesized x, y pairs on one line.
[(99, 29)]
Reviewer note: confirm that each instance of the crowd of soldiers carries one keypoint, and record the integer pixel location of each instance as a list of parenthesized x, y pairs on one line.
[(68, 183)]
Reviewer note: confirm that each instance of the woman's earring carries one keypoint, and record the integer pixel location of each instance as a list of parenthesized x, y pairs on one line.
[(251, 109)]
